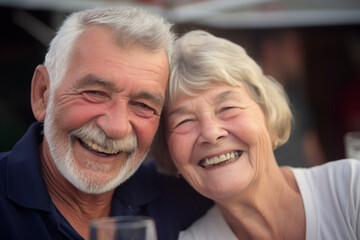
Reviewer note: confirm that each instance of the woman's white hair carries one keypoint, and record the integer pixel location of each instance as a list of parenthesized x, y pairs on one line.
[(128, 25), (201, 61)]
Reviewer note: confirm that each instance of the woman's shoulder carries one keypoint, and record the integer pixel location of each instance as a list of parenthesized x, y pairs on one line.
[(330, 195), (342, 163), (336, 180), (338, 167)]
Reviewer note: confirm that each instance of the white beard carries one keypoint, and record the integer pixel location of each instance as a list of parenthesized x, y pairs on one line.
[(67, 166)]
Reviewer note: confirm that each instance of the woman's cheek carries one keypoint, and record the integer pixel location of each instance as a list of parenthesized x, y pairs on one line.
[(179, 149)]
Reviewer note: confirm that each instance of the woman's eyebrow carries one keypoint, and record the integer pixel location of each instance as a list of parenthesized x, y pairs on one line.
[(217, 99), (222, 96), (179, 110)]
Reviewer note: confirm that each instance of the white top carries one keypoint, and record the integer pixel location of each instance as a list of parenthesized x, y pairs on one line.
[(212, 226), (331, 196)]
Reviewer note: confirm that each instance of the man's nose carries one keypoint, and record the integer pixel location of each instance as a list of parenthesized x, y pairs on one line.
[(115, 121), (211, 130)]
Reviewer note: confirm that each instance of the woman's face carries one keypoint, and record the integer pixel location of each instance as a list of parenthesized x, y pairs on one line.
[(218, 140)]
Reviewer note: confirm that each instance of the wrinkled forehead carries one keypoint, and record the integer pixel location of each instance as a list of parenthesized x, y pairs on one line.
[(193, 89)]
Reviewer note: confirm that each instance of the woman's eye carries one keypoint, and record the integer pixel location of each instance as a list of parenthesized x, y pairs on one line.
[(184, 126), (228, 112), (226, 108), (182, 122)]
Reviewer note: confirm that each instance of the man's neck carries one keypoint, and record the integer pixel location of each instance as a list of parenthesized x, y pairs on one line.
[(77, 207)]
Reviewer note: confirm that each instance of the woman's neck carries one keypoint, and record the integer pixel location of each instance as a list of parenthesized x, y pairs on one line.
[(271, 209)]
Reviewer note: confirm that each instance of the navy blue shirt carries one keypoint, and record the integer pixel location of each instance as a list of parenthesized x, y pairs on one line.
[(27, 211)]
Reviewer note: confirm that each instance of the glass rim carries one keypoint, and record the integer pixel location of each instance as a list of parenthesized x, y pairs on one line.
[(352, 134), (121, 222)]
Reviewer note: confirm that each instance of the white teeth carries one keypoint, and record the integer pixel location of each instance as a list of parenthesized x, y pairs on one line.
[(223, 158), (94, 146)]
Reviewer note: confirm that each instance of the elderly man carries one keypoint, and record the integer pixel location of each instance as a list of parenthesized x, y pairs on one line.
[(100, 94)]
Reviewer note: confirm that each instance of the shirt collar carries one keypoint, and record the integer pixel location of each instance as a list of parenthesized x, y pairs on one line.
[(140, 189)]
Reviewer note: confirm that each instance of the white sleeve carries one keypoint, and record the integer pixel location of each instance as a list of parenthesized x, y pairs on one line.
[(331, 197)]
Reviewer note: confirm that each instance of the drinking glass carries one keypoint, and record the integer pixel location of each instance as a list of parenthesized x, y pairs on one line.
[(123, 228), (352, 145)]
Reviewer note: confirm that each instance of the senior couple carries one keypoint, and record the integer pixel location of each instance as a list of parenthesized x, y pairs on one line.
[(98, 99)]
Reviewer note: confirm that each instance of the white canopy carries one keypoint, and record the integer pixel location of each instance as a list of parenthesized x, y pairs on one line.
[(222, 13)]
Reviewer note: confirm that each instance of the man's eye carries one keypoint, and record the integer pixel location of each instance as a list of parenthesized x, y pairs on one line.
[(95, 93), (143, 105), (95, 96), (143, 110)]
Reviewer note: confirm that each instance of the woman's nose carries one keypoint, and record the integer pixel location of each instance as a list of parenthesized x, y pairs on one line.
[(211, 130)]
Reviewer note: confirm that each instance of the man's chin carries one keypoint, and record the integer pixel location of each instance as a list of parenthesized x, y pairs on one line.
[(95, 183), (98, 183)]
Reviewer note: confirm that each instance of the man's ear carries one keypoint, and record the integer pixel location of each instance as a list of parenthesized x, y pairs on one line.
[(40, 90)]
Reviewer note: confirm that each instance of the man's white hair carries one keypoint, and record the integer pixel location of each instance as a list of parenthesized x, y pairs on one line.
[(128, 26)]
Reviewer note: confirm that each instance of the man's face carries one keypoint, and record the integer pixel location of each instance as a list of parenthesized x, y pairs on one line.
[(101, 120)]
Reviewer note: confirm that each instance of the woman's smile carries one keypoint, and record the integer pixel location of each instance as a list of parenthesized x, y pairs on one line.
[(220, 159)]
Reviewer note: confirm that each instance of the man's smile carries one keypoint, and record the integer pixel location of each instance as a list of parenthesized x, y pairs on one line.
[(93, 146)]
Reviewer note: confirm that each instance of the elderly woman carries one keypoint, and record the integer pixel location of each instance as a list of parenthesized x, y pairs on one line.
[(223, 120)]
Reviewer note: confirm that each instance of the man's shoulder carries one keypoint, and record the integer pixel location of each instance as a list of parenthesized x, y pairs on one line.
[(27, 145), (25, 148), (3, 157), (3, 163)]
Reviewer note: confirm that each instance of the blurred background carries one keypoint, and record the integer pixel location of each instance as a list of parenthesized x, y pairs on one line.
[(311, 47)]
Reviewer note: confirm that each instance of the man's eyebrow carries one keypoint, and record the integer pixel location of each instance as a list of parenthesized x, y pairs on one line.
[(92, 80)]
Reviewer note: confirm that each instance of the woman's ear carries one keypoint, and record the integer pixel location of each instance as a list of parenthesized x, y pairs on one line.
[(40, 90)]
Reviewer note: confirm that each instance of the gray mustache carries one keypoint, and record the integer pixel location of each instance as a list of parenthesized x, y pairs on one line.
[(92, 133)]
